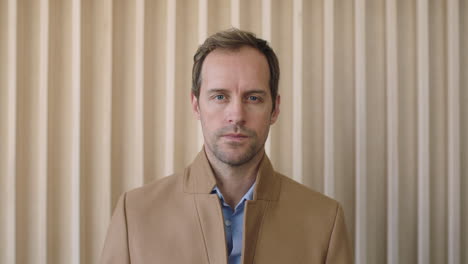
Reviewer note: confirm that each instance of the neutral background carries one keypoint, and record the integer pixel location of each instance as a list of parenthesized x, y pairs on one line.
[(94, 101)]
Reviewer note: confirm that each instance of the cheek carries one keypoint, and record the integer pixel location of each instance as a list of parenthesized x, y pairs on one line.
[(211, 121), (261, 122), (213, 118), (211, 109)]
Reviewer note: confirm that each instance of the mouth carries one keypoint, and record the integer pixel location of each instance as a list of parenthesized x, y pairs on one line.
[(235, 137)]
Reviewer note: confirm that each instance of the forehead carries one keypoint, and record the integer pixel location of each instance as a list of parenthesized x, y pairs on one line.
[(243, 67)]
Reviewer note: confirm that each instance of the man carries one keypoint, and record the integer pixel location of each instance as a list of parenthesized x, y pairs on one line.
[(229, 205)]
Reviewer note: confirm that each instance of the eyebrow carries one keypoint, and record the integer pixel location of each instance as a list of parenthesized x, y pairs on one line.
[(217, 90), (220, 90), (256, 92)]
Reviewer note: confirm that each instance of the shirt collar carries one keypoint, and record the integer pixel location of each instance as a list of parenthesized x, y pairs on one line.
[(247, 196)]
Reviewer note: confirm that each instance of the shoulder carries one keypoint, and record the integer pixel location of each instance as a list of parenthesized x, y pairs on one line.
[(157, 185), (155, 193)]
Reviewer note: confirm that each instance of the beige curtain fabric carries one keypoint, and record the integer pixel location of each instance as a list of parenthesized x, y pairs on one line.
[(94, 101)]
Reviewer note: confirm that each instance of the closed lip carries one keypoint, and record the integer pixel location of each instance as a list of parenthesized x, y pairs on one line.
[(235, 136)]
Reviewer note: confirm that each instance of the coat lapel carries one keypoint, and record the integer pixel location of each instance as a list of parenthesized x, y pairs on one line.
[(254, 212), (199, 180), (211, 222), (266, 191)]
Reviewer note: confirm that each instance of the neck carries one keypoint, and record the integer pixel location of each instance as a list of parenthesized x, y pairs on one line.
[(234, 181)]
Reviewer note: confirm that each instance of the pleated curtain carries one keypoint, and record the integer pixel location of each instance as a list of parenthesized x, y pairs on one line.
[(94, 101)]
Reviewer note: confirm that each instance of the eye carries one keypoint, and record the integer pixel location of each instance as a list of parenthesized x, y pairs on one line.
[(254, 98), (219, 97)]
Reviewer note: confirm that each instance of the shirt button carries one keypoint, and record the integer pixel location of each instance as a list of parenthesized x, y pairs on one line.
[(227, 223)]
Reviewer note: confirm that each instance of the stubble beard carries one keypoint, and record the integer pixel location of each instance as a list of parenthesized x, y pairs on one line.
[(224, 155)]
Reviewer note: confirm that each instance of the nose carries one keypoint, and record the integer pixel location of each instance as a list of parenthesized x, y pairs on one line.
[(235, 114)]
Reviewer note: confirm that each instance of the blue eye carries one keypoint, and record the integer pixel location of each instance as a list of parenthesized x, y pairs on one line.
[(219, 97), (253, 98)]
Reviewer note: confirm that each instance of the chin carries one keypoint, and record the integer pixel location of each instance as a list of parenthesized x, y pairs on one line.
[(235, 161), (236, 157)]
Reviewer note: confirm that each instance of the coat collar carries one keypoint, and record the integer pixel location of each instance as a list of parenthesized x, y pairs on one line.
[(199, 178)]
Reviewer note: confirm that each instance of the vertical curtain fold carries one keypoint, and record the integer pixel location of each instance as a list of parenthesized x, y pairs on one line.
[(95, 100)]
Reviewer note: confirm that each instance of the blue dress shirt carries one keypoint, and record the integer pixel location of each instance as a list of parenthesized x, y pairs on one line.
[(234, 225)]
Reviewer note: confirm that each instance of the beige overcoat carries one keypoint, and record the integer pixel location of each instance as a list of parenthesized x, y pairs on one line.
[(176, 220)]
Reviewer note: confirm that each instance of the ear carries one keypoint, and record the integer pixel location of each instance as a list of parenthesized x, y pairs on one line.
[(276, 111), (195, 106)]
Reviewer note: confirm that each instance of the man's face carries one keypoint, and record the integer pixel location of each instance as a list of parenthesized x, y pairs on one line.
[(235, 105)]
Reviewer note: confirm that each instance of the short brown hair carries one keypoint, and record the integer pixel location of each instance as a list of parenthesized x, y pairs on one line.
[(234, 39)]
